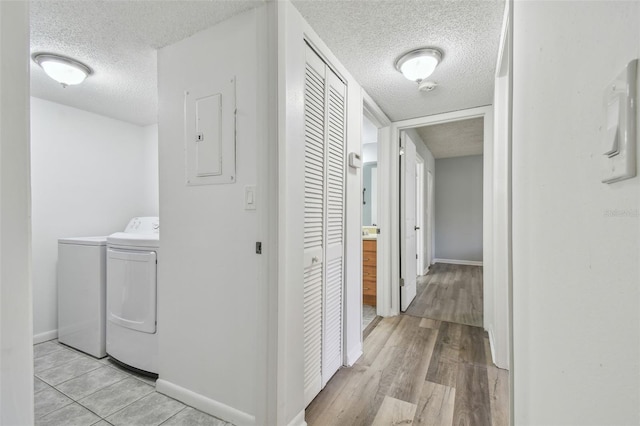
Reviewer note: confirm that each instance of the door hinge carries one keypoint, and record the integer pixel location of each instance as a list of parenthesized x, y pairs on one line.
[(378, 231), (258, 247), (416, 256), (401, 282)]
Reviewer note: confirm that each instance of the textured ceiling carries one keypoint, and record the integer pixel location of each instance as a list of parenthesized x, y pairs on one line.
[(367, 36), (118, 40), (454, 139)]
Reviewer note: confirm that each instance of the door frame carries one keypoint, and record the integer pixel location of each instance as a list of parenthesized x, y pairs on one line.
[(420, 210), (391, 216), (382, 122)]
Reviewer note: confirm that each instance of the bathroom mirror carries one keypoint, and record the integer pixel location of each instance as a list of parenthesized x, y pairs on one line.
[(370, 194)]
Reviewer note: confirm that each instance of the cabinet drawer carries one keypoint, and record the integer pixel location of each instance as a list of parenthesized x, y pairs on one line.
[(369, 288), (369, 258), (369, 272), (369, 245)]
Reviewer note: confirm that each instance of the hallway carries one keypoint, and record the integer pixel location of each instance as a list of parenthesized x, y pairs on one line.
[(421, 371), (450, 293)]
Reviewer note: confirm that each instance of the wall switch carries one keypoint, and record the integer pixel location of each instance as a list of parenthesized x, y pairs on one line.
[(619, 138), (250, 197)]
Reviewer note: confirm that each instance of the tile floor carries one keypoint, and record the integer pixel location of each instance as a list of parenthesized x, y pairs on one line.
[(368, 314), (74, 389)]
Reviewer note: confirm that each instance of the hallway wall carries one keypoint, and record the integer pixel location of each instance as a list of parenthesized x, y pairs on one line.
[(576, 241), (210, 308), (458, 208), (16, 350)]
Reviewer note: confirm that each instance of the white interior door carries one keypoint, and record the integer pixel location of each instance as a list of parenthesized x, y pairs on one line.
[(314, 223), (334, 202), (408, 222)]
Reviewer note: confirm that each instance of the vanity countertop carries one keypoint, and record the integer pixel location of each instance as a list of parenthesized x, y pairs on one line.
[(370, 237)]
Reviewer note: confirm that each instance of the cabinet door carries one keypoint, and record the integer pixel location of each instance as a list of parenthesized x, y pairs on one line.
[(131, 289)]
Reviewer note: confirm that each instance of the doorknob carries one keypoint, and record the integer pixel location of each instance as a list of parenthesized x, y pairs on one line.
[(415, 228)]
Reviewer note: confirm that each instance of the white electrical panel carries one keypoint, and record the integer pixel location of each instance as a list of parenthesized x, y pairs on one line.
[(210, 134), (619, 136)]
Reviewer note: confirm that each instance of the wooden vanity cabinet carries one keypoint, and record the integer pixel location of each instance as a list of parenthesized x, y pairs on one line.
[(369, 272)]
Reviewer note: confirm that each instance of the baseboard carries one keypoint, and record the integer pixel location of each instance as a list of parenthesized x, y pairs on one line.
[(202, 403), (500, 360), (459, 262), (492, 345), (44, 337), (298, 420), (426, 270), (354, 355)]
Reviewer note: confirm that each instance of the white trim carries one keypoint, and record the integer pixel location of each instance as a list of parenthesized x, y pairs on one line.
[(382, 122), (390, 219), (426, 270), (459, 262), (420, 202), (45, 337), (373, 111), (298, 420), (353, 356), (492, 345), (207, 405)]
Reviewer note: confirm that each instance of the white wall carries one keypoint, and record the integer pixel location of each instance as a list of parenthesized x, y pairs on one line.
[(429, 211), (575, 256), (16, 350), (90, 174), (209, 280), (369, 152), (458, 205), (497, 290)]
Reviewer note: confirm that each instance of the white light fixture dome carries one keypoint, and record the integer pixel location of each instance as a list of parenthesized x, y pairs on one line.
[(65, 71), (418, 64)]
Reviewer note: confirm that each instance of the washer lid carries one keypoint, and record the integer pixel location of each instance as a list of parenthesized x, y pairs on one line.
[(138, 240), (84, 241)]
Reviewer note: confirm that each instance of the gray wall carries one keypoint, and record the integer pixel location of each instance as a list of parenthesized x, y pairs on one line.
[(458, 208)]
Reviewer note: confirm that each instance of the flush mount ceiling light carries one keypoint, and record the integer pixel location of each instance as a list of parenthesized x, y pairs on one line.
[(418, 64), (65, 71)]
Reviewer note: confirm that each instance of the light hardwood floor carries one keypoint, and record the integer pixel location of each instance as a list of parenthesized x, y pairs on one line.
[(450, 293), (420, 371)]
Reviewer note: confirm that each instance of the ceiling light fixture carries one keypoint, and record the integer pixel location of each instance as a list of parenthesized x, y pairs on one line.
[(419, 64), (65, 71)]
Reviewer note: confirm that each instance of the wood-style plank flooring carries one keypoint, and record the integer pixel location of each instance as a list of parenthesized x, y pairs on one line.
[(419, 371), (450, 293)]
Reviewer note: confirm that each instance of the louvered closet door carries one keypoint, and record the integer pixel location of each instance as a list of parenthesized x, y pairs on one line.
[(314, 228), (334, 268), (324, 223)]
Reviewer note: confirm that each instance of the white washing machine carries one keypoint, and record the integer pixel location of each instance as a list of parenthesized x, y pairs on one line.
[(81, 293), (132, 261)]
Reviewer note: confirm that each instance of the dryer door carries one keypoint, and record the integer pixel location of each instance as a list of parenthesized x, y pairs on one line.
[(131, 289)]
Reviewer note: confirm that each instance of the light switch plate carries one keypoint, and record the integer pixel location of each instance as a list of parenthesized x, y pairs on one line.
[(250, 197), (619, 139)]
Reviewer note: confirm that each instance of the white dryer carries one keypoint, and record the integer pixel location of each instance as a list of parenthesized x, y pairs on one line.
[(132, 261)]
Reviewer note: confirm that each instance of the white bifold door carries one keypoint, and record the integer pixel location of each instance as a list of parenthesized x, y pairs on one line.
[(324, 185)]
